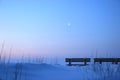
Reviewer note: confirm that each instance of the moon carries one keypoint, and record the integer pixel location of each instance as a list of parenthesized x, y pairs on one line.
[(68, 24)]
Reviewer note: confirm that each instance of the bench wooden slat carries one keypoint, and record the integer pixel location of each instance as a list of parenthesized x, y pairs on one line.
[(113, 60), (77, 59), (107, 59)]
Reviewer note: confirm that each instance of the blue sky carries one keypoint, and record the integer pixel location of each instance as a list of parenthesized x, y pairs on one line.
[(64, 28)]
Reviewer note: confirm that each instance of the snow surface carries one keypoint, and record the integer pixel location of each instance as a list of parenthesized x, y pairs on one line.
[(29, 71)]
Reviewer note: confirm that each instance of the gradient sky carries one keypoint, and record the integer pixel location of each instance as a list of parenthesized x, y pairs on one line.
[(60, 28)]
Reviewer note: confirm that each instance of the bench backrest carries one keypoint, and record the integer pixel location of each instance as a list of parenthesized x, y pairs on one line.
[(107, 59), (77, 59)]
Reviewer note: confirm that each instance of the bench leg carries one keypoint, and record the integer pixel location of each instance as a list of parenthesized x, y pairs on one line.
[(94, 62), (113, 62), (100, 62), (116, 62), (70, 63), (85, 63)]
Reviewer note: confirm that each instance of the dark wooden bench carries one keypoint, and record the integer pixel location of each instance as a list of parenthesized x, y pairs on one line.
[(70, 60), (113, 60)]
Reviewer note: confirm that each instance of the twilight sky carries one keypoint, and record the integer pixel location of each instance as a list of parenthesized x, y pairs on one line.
[(60, 28)]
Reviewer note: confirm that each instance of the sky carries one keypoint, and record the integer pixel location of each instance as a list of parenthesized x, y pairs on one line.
[(60, 28)]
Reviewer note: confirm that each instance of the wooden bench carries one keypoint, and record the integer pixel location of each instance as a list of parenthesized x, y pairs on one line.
[(113, 60), (70, 60)]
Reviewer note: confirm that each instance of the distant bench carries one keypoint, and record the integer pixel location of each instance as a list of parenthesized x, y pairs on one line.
[(70, 60), (113, 60)]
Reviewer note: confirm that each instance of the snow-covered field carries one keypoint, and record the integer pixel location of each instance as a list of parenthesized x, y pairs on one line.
[(30, 71)]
